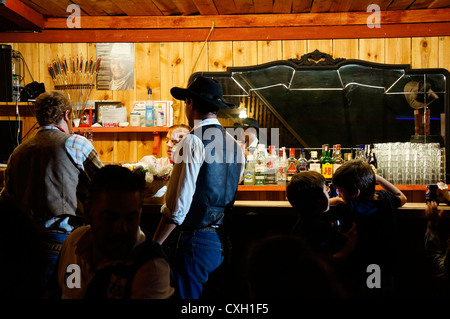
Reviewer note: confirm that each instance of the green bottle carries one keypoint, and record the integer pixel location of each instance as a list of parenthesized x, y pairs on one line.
[(327, 162)]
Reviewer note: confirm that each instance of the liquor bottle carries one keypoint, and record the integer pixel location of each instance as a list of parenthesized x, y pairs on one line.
[(282, 167), (362, 152), (272, 165), (372, 160), (149, 110), (302, 165), (261, 166), (357, 152), (366, 152), (314, 163), (159, 115), (292, 165), (333, 155), (249, 173), (337, 157), (348, 157), (321, 156), (327, 163)]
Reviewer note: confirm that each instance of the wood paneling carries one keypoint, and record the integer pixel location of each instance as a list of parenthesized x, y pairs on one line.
[(245, 53), (444, 48), (220, 56), (147, 70), (269, 51), (172, 74), (372, 50), (398, 51), (425, 52), (348, 48), (104, 144), (321, 45), (164, 65), (294, 49)]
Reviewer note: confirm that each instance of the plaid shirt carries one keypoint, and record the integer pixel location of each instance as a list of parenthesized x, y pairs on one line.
[(83, 154)]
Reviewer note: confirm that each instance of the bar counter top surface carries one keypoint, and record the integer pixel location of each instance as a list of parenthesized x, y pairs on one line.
[(409, 210), (280, 207), (279, 203), (281, 188)]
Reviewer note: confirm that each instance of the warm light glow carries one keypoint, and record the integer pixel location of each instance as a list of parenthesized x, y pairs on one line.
[(243, 114)]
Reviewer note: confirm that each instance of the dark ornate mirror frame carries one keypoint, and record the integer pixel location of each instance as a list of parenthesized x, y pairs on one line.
[(321, 61)]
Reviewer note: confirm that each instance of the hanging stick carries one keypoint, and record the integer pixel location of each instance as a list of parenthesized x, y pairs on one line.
[(75, 78)]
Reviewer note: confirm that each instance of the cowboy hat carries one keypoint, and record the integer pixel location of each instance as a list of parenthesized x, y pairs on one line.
[(208, 90), (249, 122)]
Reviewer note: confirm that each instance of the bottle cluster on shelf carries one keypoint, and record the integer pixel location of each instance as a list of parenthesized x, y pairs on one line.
[(155, 113), (400, 163), (274, 167)]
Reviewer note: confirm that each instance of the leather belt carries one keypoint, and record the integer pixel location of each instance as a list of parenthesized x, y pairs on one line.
[(209, 228)]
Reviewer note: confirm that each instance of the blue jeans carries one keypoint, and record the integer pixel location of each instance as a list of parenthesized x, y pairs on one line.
[(52, 243), (54, 233), (198, 254)]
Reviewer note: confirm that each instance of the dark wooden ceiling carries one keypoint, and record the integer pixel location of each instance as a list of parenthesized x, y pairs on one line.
[(57, 8), (115, 20)]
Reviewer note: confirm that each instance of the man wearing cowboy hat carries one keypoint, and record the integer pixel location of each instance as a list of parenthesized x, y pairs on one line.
[(208, 164)]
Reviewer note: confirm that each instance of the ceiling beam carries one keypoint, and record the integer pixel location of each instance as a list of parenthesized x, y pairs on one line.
[(22, 15), (253, 20), (338, 25), (232, 34)]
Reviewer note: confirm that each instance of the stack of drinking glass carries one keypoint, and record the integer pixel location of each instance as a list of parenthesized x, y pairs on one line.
[(411, 163)]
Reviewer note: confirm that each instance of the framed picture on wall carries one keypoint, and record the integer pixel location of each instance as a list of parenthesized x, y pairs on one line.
[(100, 106), (117, 67)]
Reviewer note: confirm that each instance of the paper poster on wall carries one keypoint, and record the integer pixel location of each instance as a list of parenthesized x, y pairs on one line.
[(117, 67)]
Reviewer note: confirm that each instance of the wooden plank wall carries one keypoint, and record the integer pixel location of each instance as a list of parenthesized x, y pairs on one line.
[(164, 65)]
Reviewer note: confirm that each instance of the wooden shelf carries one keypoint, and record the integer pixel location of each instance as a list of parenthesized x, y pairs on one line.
[(129, 129), (155, 130), (14, 103)]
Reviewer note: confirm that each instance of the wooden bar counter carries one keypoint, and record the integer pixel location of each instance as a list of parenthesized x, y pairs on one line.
[(409, 210)]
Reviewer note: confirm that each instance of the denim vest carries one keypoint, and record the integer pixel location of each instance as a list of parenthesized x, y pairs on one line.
[(217, 180)]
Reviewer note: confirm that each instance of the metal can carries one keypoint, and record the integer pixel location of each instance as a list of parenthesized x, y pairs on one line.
[(331, 190), (432, 193)]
